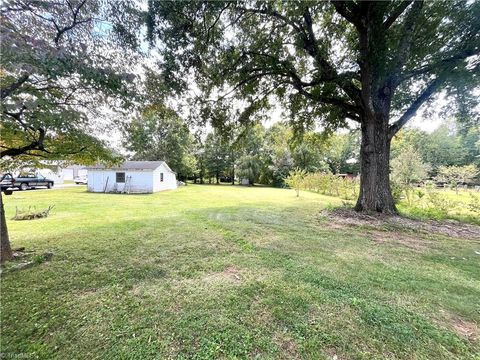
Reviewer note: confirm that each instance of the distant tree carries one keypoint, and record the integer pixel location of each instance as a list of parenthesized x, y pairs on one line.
[(452, 143), (199, 153), (249, 167), (295, 179), (252, 158), (308, 152), (443, 147), (57, 68), (340, 150), (160, 134), (408, 167), (454, 175), (277, 148), (372, 62), (470, 140), (217, 156), (407, 137)]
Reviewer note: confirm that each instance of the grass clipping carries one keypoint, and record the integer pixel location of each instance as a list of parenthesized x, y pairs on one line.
[(32, 214)]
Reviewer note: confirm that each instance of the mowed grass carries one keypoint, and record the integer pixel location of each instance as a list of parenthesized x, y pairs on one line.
[(209, 272)]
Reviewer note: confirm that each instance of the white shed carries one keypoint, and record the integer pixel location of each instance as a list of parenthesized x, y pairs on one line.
[(132, 177)]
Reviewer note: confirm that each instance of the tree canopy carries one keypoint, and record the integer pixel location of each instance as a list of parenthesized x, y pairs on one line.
[(56, 70), (312, 55), (58, 67), (160, 134), (371, 62)]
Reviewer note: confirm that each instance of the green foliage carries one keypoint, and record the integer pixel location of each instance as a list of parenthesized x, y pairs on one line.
[(454, 175), (474, 204), (295, 180), (217, 154), (408, 167), (277, 140), (433, 203), (308, 152), (160, 134), (450, 144), (342, 152), (397, 191), (275, 152), (407, 170), (249, 167), (439, 202), (443, 147), (330, 184), (57, 71)]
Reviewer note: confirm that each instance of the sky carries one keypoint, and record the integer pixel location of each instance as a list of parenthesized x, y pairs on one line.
[(424, 120)]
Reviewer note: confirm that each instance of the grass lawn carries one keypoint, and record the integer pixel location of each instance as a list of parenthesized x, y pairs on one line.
[(456, 203), (232, 272)]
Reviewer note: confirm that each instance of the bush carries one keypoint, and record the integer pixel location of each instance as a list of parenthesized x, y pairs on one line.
[(325, 183), (397, 191), (296, 180), (439, 202), (474, 204)]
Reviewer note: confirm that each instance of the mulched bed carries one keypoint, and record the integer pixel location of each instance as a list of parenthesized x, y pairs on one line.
[(452, 228)]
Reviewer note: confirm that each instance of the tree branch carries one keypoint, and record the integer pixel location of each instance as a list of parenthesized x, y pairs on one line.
[(328, 72), (275, 14), (396, 13), (349, 109), (408, 114), (405, 43), (74, 23), (348, 10), (8, 90), (450, 61), (34, 145)]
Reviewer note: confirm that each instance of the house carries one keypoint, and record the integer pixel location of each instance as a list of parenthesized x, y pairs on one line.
[(132, 177), (72, 171)]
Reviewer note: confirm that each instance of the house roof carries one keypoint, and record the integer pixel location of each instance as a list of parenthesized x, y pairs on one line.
[(132, 165)]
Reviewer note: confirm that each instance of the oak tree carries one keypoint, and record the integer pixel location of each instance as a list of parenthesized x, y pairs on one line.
[(375, 63)]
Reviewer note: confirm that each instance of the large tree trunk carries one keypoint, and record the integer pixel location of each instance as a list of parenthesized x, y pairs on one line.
[(5, 250), (375, 194)]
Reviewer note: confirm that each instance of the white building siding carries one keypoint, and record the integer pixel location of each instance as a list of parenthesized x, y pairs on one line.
[(67, 174), (169, 179), (142, 181)]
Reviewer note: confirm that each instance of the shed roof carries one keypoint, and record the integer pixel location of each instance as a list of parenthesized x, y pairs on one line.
[(132, 165)]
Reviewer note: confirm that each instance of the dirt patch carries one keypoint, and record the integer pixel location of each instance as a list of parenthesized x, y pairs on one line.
[(287, 345), (348, 217), (396, 238), (332, 354), (230, 274), (465, 329)]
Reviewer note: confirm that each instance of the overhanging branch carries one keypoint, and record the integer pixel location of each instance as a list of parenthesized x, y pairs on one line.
[(396, 13), (408, 114), (348, 10), (403, 50), (34, 145), (8, 90)]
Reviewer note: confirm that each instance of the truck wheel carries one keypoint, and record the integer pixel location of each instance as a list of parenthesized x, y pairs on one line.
[(49, 186), (23, 186)]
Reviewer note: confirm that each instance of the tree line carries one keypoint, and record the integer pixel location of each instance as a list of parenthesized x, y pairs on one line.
[(267, 155), (254, 152)]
